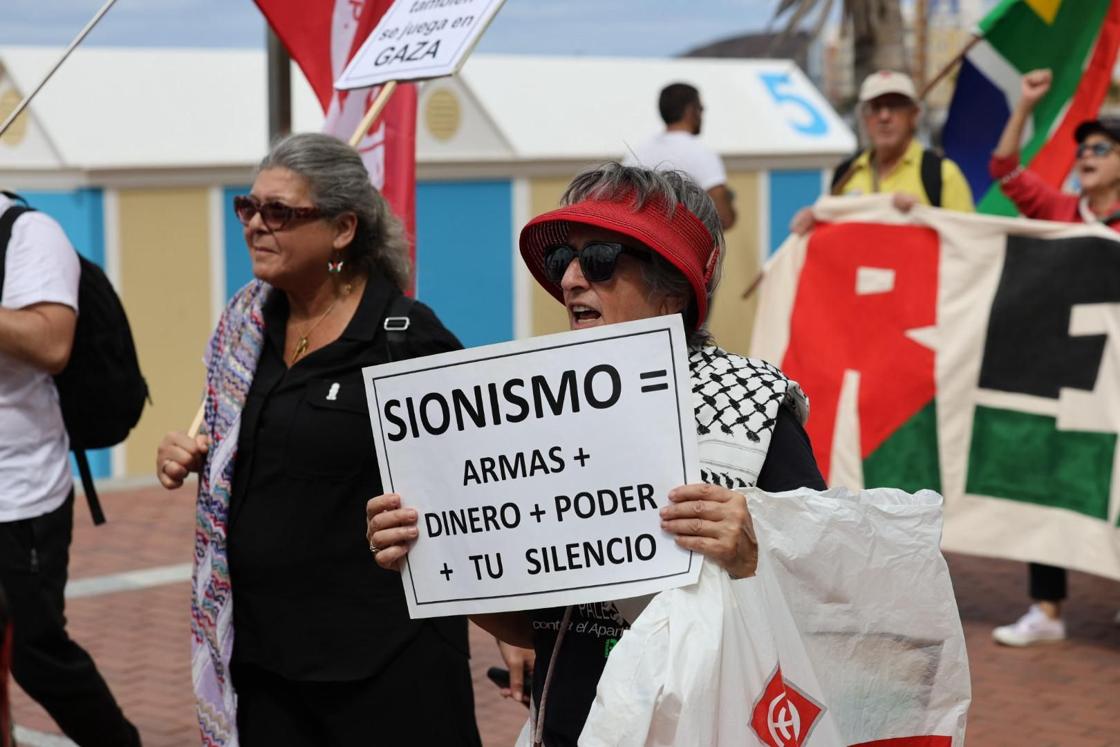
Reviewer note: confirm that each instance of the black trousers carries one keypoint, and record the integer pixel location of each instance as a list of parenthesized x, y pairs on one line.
[(1048, 583), (5, 654), (51, 668), (423, 697)]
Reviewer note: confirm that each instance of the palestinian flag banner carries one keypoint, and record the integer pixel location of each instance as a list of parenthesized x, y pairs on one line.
[(977, 356), (1077, 40)]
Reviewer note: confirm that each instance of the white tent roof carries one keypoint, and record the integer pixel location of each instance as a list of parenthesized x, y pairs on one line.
[(112, 108), (584, 107), (159, 108)]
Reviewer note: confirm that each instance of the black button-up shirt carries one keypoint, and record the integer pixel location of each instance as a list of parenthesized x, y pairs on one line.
[(309, 601)]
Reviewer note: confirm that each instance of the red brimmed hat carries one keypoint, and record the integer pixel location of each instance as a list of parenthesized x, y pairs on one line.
[(681, 238)]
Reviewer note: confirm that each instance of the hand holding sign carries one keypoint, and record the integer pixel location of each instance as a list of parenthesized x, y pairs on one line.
[(390, 529), (713, 521)]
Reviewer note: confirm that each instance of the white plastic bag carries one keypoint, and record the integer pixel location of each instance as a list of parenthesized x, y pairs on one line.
[(848, 635)]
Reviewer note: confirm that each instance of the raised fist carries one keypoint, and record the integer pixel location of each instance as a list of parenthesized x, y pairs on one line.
[(1035, 85)]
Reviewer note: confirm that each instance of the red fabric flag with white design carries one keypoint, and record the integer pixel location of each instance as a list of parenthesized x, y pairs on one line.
[(322, 36)]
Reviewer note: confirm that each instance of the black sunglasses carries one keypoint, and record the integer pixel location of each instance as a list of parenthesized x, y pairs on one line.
[(1099, 149), (276, 215), (597, 259)]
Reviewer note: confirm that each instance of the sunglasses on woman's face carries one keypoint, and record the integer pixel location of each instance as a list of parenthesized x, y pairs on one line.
[(1100, 149), (597, 260), (276, 215)]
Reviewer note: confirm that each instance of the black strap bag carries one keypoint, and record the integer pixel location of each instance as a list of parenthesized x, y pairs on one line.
[(101, 391)]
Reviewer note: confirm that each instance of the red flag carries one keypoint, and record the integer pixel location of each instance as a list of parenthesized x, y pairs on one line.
[(322, 36)]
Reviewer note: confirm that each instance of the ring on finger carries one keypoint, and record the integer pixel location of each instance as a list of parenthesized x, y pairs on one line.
[(374, 549)]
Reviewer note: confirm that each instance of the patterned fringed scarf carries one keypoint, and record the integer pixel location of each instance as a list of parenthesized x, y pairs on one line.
[(231, 361)]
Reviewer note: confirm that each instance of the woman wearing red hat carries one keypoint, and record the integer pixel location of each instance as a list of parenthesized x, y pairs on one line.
[(630, 243)]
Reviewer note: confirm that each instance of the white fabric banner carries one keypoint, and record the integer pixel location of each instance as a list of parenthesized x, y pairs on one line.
[(973, 355)]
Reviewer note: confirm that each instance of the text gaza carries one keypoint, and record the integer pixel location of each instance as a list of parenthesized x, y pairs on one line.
[(412, 52), (512, 402)]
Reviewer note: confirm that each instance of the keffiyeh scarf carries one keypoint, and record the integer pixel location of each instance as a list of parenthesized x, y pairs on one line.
[(736, 402), (231, 361)]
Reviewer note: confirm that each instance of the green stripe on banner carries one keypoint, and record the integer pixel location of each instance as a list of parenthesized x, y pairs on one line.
[(908, 459), (1024, 457)]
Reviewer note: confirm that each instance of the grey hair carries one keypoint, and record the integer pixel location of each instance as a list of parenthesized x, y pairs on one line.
[(616, 183), (339, 183)]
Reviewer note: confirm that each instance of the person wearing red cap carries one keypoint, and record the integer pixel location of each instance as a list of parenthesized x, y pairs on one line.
[(631, 243), (1098, 171)]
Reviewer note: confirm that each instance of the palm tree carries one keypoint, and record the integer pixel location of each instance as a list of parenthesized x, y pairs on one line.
[(877, 33)]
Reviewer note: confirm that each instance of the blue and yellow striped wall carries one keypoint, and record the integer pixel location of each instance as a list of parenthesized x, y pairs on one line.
[(177, 253)]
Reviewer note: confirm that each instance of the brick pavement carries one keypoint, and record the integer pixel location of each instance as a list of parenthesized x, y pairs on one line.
[(1062, 695)]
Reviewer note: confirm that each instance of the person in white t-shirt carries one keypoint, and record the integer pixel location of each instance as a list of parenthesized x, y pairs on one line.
[(38, 314), (679, 149)]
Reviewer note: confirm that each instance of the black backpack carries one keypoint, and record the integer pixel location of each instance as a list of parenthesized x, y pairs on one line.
[(930, 170), (101, 391)]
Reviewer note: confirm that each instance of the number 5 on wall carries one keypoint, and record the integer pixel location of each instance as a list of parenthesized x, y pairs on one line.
[(779, 84)]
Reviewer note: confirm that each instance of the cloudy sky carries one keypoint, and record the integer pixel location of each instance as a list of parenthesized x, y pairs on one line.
[(592, 27)]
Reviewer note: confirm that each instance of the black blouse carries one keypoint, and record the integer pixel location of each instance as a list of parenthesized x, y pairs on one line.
[(309, 601)]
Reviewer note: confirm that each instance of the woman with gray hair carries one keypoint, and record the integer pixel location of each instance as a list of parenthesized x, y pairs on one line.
[(324, 646), (629, 243)]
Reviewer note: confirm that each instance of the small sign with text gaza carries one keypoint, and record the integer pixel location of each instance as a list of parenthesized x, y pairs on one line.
[(538, 467), (418, 40)]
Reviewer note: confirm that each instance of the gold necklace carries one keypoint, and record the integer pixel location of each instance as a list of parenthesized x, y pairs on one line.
[(304, 342)]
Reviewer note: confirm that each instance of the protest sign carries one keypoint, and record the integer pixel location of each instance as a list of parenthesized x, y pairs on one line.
[(417, 40), (538, 467)]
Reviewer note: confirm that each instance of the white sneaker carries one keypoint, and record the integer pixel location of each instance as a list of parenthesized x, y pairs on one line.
[(1033, 627)]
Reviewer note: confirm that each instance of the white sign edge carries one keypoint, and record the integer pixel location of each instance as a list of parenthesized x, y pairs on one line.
[(343, 85), (516, 602)]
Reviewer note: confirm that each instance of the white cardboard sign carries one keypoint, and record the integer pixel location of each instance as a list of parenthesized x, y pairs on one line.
[(417, 40), (538, 467)]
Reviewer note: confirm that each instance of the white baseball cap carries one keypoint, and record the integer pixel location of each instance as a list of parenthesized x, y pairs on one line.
[(887, 81)]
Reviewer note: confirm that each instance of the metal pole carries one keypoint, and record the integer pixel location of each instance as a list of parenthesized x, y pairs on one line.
[(279, 88), (73, 45), (921, 29), (949, 67)]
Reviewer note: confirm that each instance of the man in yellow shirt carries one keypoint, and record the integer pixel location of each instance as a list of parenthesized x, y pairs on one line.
[(895, 162)]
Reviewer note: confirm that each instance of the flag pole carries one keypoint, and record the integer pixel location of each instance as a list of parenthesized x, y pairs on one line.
[(949, 67), (196, 424), (279, 87), (73, 45), (374, 112)]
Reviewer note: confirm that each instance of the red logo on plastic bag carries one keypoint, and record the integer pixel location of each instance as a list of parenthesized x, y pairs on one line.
[(784, 716)]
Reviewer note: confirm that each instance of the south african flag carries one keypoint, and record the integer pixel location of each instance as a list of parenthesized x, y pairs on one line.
[(1077, 40)]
